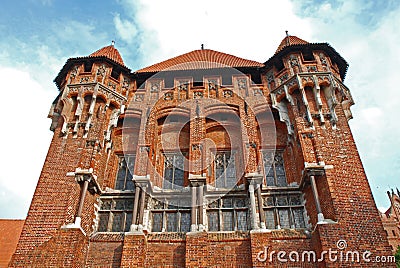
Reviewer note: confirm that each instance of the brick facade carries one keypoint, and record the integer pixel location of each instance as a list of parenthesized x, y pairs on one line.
[(391, 220), (203, 160)]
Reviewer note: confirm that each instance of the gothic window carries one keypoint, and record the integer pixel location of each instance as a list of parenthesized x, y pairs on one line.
[(171, 216), (225, 170), (87, 67), (228, 214), (284, 211), (115, 74), (126, 164), (274, 168), (173, 170), (115, 214)]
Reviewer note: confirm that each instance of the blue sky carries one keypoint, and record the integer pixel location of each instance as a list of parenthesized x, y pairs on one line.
[(38, 36)]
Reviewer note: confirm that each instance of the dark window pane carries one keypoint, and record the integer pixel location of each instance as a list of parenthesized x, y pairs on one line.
[(178, 180), (172, 222), (129, 204), (130, 185), (124, 175), (227, 203), (230, 177), (103, 222), (119, 185), (298, 215), (284, 218), (131, 165), (270, 219), (270, 181), (281, 181), (274, 169), (279, 170), (128, 222), (281, 201), (269, 201), (173, 171), (240, 203), (185, 222), (228, 220), (213, 221), (118, 221), (122, 168), (270, 171), (225, 171), (168, 177), (242, 220), (106, 204), (295, 200), (120, 204), (157, 222)]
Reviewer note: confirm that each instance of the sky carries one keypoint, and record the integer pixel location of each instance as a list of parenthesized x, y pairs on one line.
[(38, 36)]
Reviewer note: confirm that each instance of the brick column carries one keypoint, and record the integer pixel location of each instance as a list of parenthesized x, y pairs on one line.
[(134, 250)]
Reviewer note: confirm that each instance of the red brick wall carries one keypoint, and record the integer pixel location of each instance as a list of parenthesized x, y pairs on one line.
[(105, 251)]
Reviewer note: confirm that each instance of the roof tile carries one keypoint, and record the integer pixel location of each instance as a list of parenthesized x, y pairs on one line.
[(10, 231), (200, 59), (289, 41), (110, 52)]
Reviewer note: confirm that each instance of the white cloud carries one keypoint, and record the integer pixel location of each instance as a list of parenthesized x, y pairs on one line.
[(26, 137), (126, 29), (171, 28)]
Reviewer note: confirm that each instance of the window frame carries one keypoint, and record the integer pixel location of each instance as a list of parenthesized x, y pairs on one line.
[(111, 212), (171, 182), (276, 208), (275, 153), (128, 173), (226, 166), (220, 209), (167, 209)]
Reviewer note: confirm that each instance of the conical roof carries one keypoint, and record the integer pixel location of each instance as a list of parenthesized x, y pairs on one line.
[(290, 40), (109, 52), (200, 59)]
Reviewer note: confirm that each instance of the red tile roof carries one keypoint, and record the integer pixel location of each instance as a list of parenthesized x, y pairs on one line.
[(9, 235), (290, 40), (200, 59), (110, 52)]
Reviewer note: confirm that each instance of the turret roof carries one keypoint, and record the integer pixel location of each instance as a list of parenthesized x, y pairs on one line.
[(290, 40), (109, 52)]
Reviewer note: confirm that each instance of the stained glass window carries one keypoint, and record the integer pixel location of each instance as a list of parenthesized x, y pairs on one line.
[(274, 168), (228, 214), (174, 164), (170, 216), (284, 211), (157, 221), (115, 214), (225, 170), (126, 164)]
